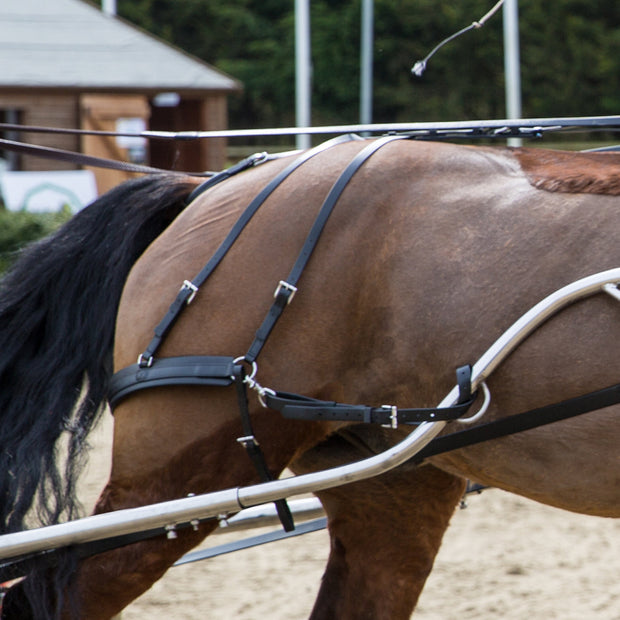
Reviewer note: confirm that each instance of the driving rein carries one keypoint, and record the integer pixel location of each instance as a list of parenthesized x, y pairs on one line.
[(202, 370)]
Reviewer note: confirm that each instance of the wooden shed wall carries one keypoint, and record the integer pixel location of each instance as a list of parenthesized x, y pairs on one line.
[(100, 111), (47, 110)]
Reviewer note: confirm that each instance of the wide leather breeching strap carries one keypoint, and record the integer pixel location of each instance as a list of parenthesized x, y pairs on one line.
[(210, 371)]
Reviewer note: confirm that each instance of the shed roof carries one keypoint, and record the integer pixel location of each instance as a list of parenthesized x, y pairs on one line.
[(71, 44)]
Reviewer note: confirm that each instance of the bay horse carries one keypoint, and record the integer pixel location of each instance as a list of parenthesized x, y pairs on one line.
[(431, 252)]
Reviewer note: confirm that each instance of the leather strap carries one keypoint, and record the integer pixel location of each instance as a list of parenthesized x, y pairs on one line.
[(252, 447), (185, 370), (244, 164), (299, 407), (189, 289), (520, 422), (288, 287)]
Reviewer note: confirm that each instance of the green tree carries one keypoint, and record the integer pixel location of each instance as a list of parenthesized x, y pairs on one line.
[(19, 228), (570, 54)]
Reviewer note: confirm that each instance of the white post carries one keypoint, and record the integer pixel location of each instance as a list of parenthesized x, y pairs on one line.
[(512, 63), (303, 70), (108, 7), (367, 35)]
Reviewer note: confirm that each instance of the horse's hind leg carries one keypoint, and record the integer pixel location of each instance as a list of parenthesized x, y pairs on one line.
[(385, 533), (168, 444)]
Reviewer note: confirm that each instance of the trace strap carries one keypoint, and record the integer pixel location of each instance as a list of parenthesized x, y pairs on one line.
[(517, 423)]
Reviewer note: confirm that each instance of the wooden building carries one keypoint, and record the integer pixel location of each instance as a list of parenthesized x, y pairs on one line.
[(64, 63)]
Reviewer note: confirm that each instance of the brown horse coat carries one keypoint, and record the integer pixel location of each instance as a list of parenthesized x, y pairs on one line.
[(431, 253)]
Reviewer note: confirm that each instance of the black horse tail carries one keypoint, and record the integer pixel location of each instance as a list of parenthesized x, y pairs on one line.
[(58, 306)]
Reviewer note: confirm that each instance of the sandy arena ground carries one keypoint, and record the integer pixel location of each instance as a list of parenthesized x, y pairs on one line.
[(503, 557)]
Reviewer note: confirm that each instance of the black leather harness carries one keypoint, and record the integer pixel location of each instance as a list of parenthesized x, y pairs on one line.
[(150, 372), (201, 370)]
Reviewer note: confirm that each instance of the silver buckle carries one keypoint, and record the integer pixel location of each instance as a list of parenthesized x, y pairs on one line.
[(289, 287), (193, 288), (393, 416), (248, 440), (145, 362)]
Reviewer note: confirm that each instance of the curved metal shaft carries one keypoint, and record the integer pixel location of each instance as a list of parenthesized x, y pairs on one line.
[(185, 510)]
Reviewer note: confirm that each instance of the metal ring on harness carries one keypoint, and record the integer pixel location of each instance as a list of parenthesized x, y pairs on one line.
[(483, 408), (253, 384), (249, 378)]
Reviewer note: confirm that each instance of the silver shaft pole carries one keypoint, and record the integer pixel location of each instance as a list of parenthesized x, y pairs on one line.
[(166, 514)]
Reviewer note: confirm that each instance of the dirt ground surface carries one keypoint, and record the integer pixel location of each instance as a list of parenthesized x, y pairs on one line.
[(503, 557)]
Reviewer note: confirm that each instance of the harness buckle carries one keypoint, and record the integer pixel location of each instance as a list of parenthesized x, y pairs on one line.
[(283, 285), (191, 287), (248, 441), (145, 362), (393, 416)]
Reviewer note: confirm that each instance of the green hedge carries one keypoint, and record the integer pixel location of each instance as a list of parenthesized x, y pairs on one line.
[(18, 228)]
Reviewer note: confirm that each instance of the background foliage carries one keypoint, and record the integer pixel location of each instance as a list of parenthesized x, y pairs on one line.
[(570, 64), (570, 54), (18, 228)]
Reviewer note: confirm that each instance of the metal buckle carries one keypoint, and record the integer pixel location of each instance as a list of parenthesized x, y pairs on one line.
[(193, 288), (248, 440), (145, 362), (393, 416), (286, 286)]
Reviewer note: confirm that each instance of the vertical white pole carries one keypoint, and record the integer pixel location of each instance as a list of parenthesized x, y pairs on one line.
[(108, 7), (366, 53), (303, 71), (512, 63)]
